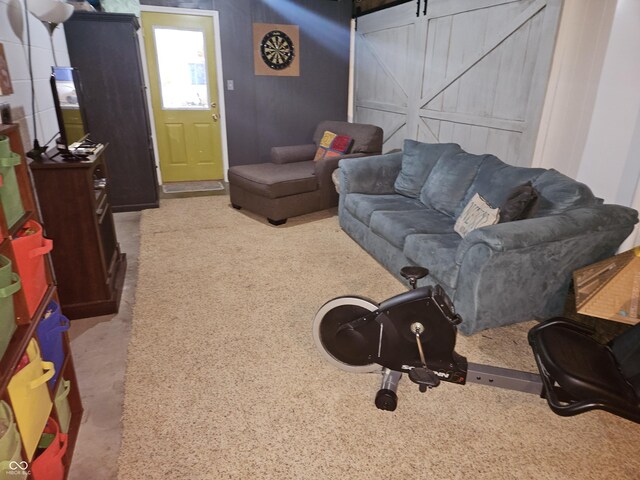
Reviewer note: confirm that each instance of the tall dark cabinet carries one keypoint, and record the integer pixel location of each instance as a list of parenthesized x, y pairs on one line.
[(104, 48)]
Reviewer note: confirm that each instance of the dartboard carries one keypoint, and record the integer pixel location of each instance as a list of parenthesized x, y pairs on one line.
[(277, 50)]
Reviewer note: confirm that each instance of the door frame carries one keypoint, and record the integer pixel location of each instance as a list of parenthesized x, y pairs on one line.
[(215, 18)]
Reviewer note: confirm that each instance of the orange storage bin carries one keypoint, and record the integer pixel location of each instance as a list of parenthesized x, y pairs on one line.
[(30, 246), (49, 465)]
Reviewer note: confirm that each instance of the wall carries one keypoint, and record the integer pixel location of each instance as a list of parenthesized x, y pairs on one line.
[(581, 46), (610, 164), (264, 111), (13, 35), (591, 120), (121, 6)]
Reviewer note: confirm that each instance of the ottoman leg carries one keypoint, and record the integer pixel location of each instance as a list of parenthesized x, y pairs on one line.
[(277, 222), (237, 207)]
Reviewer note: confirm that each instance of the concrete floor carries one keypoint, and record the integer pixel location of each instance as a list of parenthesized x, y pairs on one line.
[(99, 347)]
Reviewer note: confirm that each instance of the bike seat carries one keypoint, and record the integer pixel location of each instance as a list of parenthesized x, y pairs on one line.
[(581, 374), (413, 273)]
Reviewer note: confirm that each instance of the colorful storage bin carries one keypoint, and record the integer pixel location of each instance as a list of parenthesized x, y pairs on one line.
[(30, 398), (9, 190), (49, 465), (62, 405), (10, 446), (29, 247), (9, 284), (49, 332)]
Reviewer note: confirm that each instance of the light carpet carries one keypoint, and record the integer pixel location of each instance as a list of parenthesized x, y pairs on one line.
[(224, 381)]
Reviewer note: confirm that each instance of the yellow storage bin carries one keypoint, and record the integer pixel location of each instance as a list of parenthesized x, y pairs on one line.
[(30, 398), (10, 446), (62, 405)]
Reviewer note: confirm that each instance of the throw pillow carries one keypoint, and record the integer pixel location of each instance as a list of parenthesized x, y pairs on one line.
[(558, 193), (477, 213), (520, 203), (333, 145)]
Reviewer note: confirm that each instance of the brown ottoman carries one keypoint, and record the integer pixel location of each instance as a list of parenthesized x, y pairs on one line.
[(275, 191)]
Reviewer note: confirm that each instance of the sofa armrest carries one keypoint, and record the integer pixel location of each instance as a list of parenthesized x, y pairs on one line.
[(325, 167), (535, 231), (293, 153), (373, 174), (522, 270)]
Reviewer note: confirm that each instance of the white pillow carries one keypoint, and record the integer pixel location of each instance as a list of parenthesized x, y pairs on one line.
[(477, 213)]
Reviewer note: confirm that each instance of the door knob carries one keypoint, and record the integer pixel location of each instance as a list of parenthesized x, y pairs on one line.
[(215, 117)]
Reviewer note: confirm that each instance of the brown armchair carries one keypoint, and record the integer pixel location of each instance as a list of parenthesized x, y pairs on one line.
[(293, 183)]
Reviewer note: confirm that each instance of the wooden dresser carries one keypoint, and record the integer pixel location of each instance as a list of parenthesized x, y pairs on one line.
[(76, 210)]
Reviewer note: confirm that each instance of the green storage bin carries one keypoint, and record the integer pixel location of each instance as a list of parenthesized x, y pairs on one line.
[(9, 190), (62, 405), (9, 284), (10, 446)]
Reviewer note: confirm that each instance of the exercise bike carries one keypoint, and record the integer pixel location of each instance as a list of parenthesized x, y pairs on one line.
[(415, 332)]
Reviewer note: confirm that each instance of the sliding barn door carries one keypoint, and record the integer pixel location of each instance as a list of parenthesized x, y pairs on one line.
[(472, 72)]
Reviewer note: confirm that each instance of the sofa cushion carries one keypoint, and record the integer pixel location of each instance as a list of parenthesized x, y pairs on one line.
[(496, 179), (558, 193), (437, 252), (362, 206), (418, 159), (394, 227), (449, 180), (273, 180)]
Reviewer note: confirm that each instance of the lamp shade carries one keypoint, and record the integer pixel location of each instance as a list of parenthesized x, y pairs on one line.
[(52, 11)]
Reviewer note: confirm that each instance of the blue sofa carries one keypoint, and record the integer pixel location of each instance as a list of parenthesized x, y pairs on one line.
[(401, 208)]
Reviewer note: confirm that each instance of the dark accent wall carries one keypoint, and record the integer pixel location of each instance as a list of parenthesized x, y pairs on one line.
[(266, 111)]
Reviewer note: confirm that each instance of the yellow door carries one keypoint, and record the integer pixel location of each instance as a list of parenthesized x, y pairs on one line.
[(182, 75)]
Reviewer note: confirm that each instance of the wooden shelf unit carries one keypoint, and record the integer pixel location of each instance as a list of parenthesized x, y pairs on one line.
[(27, 325)]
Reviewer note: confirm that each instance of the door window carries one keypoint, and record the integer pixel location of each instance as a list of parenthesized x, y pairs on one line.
[(182, 69)]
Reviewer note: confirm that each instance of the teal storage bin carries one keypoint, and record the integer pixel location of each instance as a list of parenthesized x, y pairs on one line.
[(9, 190), (62, 405), (9, 284)]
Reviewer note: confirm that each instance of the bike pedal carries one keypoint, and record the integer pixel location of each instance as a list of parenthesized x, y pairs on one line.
[(424, 377)]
